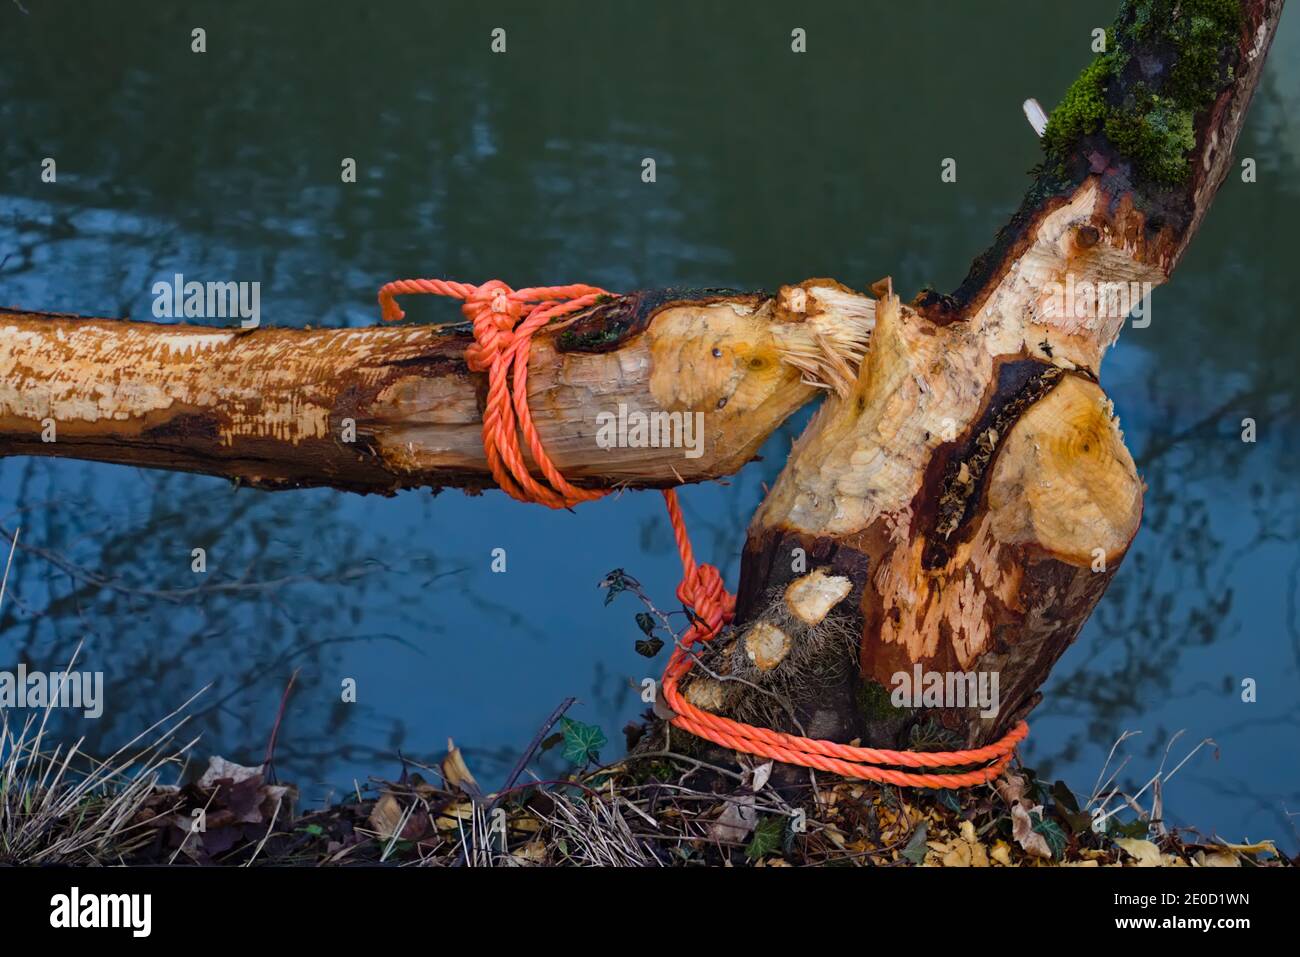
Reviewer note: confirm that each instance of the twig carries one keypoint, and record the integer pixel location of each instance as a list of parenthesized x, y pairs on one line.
[(275, 728), (533, 745), (13, 544)]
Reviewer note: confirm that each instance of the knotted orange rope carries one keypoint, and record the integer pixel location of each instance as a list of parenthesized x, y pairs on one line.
[(504, 322), (503, 337)]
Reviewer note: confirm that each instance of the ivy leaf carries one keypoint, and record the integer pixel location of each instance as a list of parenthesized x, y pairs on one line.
[(552, 741), (614, 583), (649, 647), (1052, 833), (916, 848), (767, 838), (949, 799), (645, 622), (1137, 830), (582, 742)]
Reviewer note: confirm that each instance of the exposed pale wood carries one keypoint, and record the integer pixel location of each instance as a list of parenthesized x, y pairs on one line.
[(269, 407), (811, 597), (1064, 480)]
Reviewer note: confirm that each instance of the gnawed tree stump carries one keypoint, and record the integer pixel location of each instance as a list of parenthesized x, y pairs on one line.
[(969, 496)]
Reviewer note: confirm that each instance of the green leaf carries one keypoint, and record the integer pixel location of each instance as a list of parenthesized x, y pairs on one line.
[(645, 622), (1052, 833), (649, 647), (766, 839), (950, 799), (915, 850), (614, 583), (315, 830), (1135, 829), (582, 742)]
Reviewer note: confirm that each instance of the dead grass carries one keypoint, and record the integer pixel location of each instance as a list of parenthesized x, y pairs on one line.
[(668, 810)]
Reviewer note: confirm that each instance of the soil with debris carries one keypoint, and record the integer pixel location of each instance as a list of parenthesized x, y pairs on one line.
[(658, 810)]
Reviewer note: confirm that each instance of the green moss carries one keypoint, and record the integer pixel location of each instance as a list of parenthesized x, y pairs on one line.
[(1081, 111), (1153, 125), (874, 703), (1157, 138), (1200, 31)]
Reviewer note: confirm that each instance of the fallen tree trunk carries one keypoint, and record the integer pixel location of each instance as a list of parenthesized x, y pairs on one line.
[(380, 409), (960, 510)]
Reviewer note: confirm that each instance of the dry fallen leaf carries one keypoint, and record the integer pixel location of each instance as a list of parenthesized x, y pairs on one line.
[(1001, 853), (1146, 853), (248, 798), (958, 856), (219, 768), (736, 822), (1217, 859), (1022, 829), (835, 834), (1011, 787), (525, 822), (457, 773), (454, 816), (1260, 847), (386, 816), (534, 852), (966, 851)]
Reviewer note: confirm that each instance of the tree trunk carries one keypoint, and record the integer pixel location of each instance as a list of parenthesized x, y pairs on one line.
[(963, 506)]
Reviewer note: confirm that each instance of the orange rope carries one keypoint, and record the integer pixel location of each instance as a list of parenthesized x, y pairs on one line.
[(504, 322)]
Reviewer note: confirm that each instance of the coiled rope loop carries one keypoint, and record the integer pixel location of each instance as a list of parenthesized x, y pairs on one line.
[(504, 321)]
